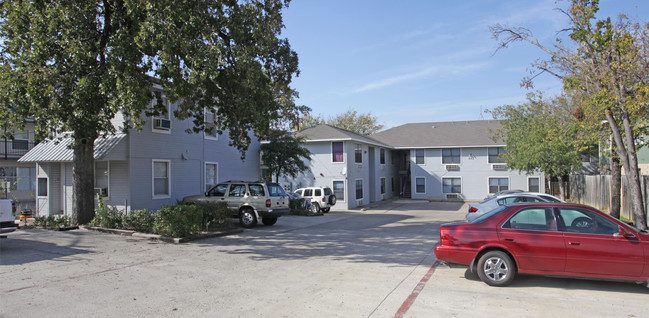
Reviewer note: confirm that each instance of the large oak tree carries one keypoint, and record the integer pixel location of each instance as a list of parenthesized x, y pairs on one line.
[(72, 65)]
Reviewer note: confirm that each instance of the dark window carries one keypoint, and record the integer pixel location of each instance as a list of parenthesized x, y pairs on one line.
[(358, 154), (256, 190), (498, 184), (420, 185), (359, 189), (308, 192), (42, 187), (495, 155), (451, 155), (534, 219), (533, 185), (237, 190), (339, 190), (419, 156), (218, 190), (382, 156), (382, 185), (452, 185), (337, 151)]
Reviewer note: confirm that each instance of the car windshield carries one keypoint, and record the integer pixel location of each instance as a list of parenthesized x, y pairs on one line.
[(275, 190), (489, 214)]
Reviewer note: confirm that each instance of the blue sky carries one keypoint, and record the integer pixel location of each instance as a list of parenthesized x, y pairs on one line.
[(421, 61)]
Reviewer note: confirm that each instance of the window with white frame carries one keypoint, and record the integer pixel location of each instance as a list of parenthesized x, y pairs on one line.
[(337, 152), (382, 156), (451, 156), (495, 155), (161, 121), (26, 178), (161, 179), (359, 189), (210, 127), (420, 185), (534, 184), (211, 174), (498, 184), (102, 173), (419, 156), (382, 185), (358, 153), (339, 190), (452, 185)]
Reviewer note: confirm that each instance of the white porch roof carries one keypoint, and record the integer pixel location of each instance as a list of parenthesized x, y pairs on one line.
[(58, 150)]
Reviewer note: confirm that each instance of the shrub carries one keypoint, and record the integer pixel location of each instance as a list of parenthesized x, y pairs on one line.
[(178, 220), (106, 216), (52, 221), (139, 220), (216, 215)]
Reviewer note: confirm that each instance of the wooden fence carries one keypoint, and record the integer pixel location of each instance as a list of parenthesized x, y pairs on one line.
[(595, 190)]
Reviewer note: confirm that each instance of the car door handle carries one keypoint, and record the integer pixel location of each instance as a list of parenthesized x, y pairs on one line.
[(509, 239), (574, 243)]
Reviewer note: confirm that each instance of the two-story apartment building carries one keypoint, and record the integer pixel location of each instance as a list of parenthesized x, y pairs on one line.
[(434, 161), (18, 180), (142, 170)]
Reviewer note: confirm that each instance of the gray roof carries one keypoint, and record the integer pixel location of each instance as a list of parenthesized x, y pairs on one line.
[(442, 134), (325, 132), (58, 150)]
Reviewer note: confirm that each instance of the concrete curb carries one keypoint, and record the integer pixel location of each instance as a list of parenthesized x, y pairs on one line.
[(156, 237)]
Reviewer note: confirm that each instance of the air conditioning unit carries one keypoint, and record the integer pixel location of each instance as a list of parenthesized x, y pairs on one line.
[(101, 191), (452, 167), (161, 123), (499, 167), (452, 196), (359, 167)]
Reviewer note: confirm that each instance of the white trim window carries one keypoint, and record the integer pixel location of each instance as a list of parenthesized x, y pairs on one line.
[(452, 185), (161, 178), (338, 187), (496, 155), (420, 156), (382, 185), (420, 185), (210, 118), (359, 189), (534, 184), (102, 177), (358, 153), (337, 151), (161, 123), (451, 156), (498, 184), (211, 175), (382, 156)]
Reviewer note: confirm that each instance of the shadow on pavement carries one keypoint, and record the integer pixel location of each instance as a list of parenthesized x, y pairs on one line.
[(17, 251)]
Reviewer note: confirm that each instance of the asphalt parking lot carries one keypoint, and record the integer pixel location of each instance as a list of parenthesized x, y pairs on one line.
[(374, 263)]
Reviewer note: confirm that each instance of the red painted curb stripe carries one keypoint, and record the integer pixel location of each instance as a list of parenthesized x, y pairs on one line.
[(415, 292)]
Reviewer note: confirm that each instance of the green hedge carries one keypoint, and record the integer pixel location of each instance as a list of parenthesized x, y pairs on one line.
[(176, 220)]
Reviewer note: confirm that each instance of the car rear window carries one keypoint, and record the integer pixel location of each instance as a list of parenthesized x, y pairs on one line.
[(274, 190), (489, 214)]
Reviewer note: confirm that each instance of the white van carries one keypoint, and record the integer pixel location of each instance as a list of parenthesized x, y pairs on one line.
[(7, 218)]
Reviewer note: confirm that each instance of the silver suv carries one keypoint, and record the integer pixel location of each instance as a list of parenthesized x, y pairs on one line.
[(249, 201), (321, 198)]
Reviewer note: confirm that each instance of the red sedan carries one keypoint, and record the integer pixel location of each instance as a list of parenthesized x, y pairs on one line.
[(547, 239)]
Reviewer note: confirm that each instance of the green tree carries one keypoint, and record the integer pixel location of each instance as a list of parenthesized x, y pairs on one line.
[(540, 135), (73, 65), (609, 65), (364, 124), (284, 154)]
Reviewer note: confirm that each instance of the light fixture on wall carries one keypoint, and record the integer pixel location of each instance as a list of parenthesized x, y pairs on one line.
[(183, 156), (321, 174)]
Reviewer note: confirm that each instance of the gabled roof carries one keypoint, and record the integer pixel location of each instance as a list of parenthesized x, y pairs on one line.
[(325, 132), (59, 150), (441, 134)]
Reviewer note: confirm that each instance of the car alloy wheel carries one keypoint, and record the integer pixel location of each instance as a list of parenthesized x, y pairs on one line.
[(496, 268), (247, 218)]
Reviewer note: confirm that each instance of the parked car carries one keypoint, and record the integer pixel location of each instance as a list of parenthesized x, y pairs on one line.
[(249, 201), (322, 198), (7, 218), (304, 203), (478, 209), (556, 239), (503, 192)]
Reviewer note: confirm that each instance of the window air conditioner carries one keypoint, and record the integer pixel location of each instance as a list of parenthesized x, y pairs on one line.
[(101, 191), (161, 123), (499, 167), (452, 167)]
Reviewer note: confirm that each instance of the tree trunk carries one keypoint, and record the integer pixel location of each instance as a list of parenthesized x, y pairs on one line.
[(561, 188), (83, 176), (616, 186)]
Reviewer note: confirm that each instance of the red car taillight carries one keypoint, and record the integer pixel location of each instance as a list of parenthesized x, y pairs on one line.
[(323, 199), (13, 207), (473, 209), (445, 238), (268, 203)]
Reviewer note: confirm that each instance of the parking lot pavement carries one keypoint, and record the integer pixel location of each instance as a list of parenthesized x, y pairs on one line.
[(373, 263)]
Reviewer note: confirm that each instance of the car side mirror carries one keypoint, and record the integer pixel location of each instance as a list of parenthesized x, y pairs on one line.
[(623, 232)]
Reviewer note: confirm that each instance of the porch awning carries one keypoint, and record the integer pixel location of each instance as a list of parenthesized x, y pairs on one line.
[(58, 150)]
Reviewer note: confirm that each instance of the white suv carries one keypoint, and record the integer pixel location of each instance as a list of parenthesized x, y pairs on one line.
[(322, 199)]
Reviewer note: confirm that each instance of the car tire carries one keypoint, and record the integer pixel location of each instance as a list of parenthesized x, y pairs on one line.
[(269, 221), (247, 218), (496, 268), (315, 208), (326, 210), (332, 200)]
